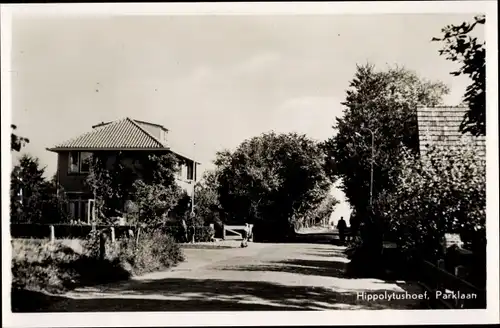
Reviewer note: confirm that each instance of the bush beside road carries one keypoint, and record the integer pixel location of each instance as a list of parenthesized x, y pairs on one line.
[(42, 266)]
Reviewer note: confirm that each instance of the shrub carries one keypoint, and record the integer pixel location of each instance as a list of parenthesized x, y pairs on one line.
[(38, 265), (202, 233), (92, 244), (155, 250), (443, 192)]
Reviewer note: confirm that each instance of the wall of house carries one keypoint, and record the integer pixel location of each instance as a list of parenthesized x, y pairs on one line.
[(182, 176), (71, 182), (75, 182)]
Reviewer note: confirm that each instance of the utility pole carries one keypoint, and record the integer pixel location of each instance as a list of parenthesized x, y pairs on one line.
[(21, 192), (372, 160), (193, 238), (193, 181), (371, 174)]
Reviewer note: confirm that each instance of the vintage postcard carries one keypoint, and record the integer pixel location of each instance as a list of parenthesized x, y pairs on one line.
[(249, 164)]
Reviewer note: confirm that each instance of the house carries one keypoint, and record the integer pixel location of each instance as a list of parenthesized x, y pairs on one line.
[(439, 126), (133, 138)]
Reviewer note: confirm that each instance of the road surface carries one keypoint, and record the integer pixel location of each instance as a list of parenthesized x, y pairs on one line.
[(260, 277)]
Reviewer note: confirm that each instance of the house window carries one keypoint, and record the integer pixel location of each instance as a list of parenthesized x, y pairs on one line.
[(190, 171), (74, 209), (178, 172), (73, 162), (78, 207), (79, 162), (85, 162)]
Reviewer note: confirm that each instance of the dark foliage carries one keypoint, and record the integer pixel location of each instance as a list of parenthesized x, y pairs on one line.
[(17, 142), (459, 46), (34, 199), (273, 180)]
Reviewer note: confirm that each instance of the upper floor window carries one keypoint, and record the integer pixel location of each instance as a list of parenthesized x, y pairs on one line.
[(190, 171), (79, 162)]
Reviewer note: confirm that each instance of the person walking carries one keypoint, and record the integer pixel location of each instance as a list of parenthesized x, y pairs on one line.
[(250, 232), (341, 226), (246, 232), (212, 232)]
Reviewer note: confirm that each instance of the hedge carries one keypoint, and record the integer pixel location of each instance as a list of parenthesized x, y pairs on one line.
[(76, 231), (202, 233), (62, 231)]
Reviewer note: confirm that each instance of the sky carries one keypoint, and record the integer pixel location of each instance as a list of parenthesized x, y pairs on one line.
[(213, 81)]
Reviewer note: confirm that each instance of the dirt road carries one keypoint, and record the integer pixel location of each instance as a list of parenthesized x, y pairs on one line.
[(260, 277)]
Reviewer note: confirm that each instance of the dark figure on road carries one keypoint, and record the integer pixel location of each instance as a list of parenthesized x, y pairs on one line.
[(184, 231), (250, 232), (341, 226), (211, 232), (246, 232)]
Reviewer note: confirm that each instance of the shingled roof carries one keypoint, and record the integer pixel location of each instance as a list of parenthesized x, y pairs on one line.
[(121, 134), (124, 134), (439, 126)]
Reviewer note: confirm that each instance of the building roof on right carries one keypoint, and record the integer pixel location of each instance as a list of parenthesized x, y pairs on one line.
[(439, 126)]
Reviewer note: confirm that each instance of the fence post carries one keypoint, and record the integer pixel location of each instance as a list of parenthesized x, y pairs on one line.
[(440, 266), (460, 272), (112, 230), (52, 234)]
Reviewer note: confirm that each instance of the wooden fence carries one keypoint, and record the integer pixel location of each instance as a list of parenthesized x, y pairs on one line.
[(235, 231), (449, 290), (64, 231)]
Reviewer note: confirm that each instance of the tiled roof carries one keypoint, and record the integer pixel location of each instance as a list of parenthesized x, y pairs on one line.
[(124, 134), (121, 134), (440, 126)]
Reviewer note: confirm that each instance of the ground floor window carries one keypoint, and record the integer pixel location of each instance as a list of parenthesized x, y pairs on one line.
[(81, 207)]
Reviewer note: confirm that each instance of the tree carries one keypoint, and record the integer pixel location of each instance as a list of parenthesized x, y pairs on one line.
[(460, 46), (33, 198), (17, 142), (111, 185), (384, 102), (156, 191), (207, 205), (155, 201), (445, 191), (151, 188), (324, 210), (272, 178)]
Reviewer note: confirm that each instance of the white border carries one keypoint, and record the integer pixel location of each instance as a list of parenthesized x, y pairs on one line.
[(254, 8), (382, 317)]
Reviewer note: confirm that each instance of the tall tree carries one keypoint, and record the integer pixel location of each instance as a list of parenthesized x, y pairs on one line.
[(276, 178), (33, 198), (385, 103), (460, 46), (207, 205)]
